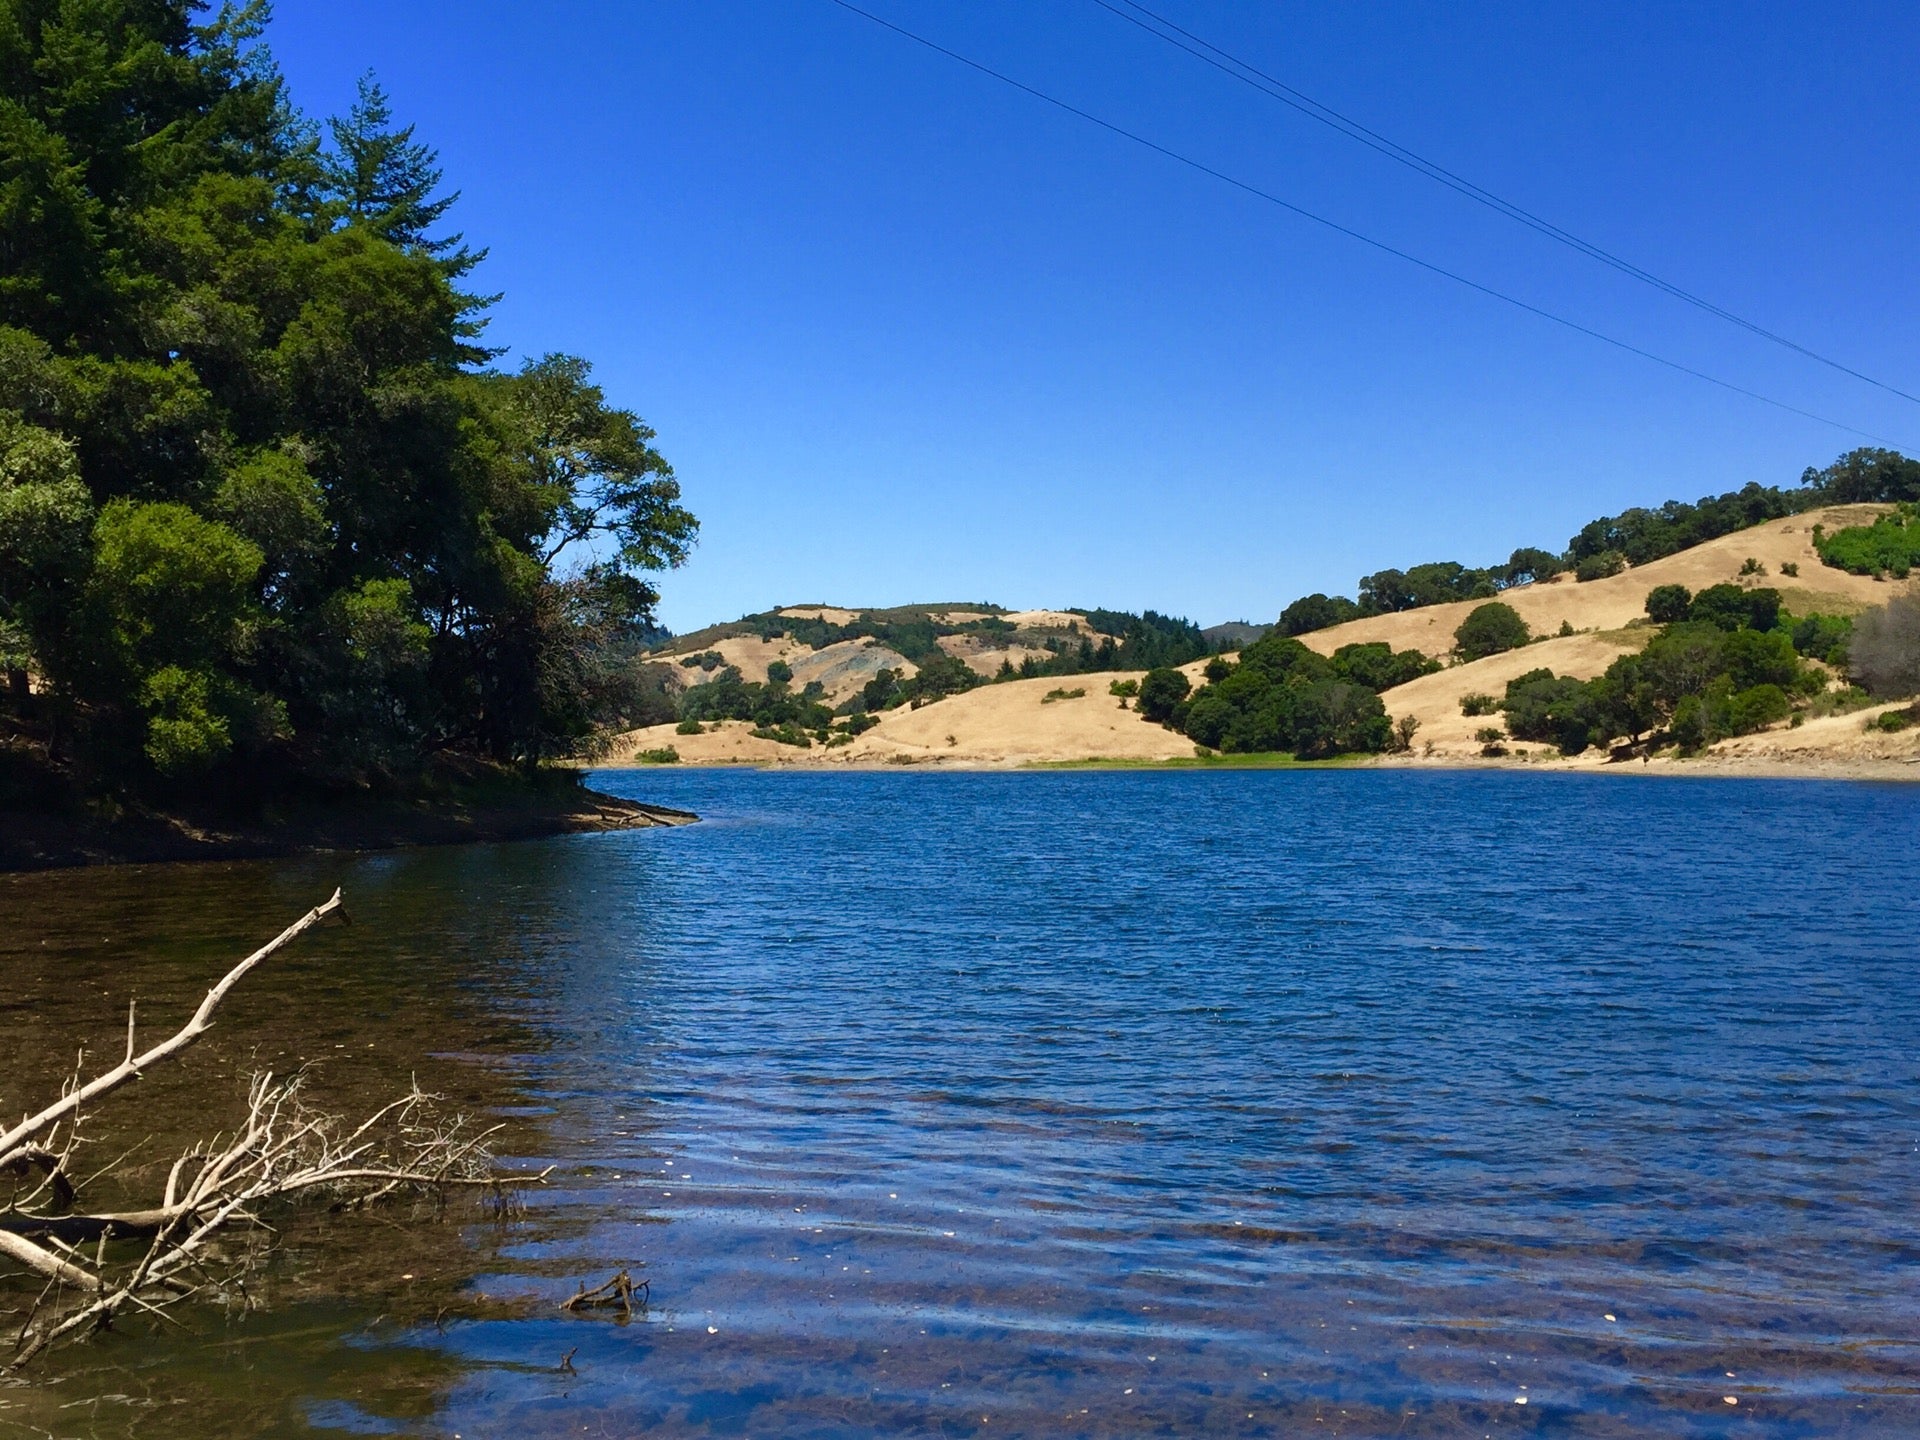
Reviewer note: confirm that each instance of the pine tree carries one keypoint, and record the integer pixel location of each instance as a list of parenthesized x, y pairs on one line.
[(387, 180)]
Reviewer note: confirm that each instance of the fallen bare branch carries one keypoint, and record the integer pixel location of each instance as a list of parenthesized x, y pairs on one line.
[(284, 1149)]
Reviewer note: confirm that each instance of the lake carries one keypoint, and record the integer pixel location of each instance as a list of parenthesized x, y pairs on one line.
[(1237, 1103)]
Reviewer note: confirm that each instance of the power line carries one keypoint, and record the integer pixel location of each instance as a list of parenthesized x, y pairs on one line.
[(1349, 232), (1248, 74)]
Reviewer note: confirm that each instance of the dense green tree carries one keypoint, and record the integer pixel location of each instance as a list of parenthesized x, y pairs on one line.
[(1490, 629), (264, 512), (1733, 608), (1378, 666), (1317, 612), (1544, 707), (1866, 475), (1529, 564), (1668, 603), (1161, 691)]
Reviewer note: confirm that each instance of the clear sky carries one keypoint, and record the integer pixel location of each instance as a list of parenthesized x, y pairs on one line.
[(907, 334)]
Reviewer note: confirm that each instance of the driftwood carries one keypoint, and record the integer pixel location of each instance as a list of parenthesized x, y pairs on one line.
[(619, 1293), (149, 1260)]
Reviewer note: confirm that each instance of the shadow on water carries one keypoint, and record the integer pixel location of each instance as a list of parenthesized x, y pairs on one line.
[(1071, 1104)]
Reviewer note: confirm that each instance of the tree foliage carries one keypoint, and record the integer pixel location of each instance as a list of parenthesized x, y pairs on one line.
[(1890, 546), (1490, 629), (1284, 697), (265, 509)]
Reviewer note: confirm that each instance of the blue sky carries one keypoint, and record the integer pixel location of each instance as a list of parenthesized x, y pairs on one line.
[(909, 335)]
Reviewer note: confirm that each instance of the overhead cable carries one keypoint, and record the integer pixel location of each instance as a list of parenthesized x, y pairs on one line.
[(1272, 199), (1208, 53)]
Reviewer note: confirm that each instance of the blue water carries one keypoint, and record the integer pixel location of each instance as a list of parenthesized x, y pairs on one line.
[(1231, 1103), (1107, 1104)]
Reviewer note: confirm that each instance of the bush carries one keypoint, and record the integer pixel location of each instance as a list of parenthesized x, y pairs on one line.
[(1217, 669), (1751, 566), (1478, 704), (1599, 567), (1891, 721), (779, 673), (665, 755), (1883, 656), (1790, 567), (1074, 694), (1160, 691), (1126, 689), (1732, 608), (688, 726), (1490, 630), (784, 735), (1668, 603), (1889, 546), (1489, 734)]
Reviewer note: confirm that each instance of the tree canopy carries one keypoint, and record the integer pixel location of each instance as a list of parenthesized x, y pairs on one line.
[(267, 509)]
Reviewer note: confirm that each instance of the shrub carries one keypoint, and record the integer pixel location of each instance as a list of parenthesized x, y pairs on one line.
[(1074, 694), (779, 673), (1883, 656), (784, 735), (857, 724), (1478, 704), (665, 755), (1668, 603), (1566, 628), (1489, 734), (1404, 729), (1891, 721), (688, 726), (1217, 669), (1490, 630), (1790, 567), (1161, 690), (1599, 567), (1126, 688), (1889, 546), (1751, 566)]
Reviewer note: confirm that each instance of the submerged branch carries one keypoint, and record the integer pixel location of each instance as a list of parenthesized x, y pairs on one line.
[(285, 1149)]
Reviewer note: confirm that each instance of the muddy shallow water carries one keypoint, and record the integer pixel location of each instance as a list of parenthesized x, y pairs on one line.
[(1252, 1103)]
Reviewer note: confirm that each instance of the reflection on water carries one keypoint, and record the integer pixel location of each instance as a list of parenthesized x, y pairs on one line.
[(1256, 1103)]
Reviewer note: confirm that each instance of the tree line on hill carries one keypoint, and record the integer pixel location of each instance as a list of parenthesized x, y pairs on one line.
[(270, 517), (1606, 546), (1727, 661)]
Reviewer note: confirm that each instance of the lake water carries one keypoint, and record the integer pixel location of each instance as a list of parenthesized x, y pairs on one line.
[(1244, 1103)]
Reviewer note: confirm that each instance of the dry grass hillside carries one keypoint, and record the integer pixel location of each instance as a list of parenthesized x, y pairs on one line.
[(1012, 723), (1434, 700), (1612, 603)]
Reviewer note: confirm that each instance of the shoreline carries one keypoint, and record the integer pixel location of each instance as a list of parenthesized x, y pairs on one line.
[(35, 841), (1709, 766)]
